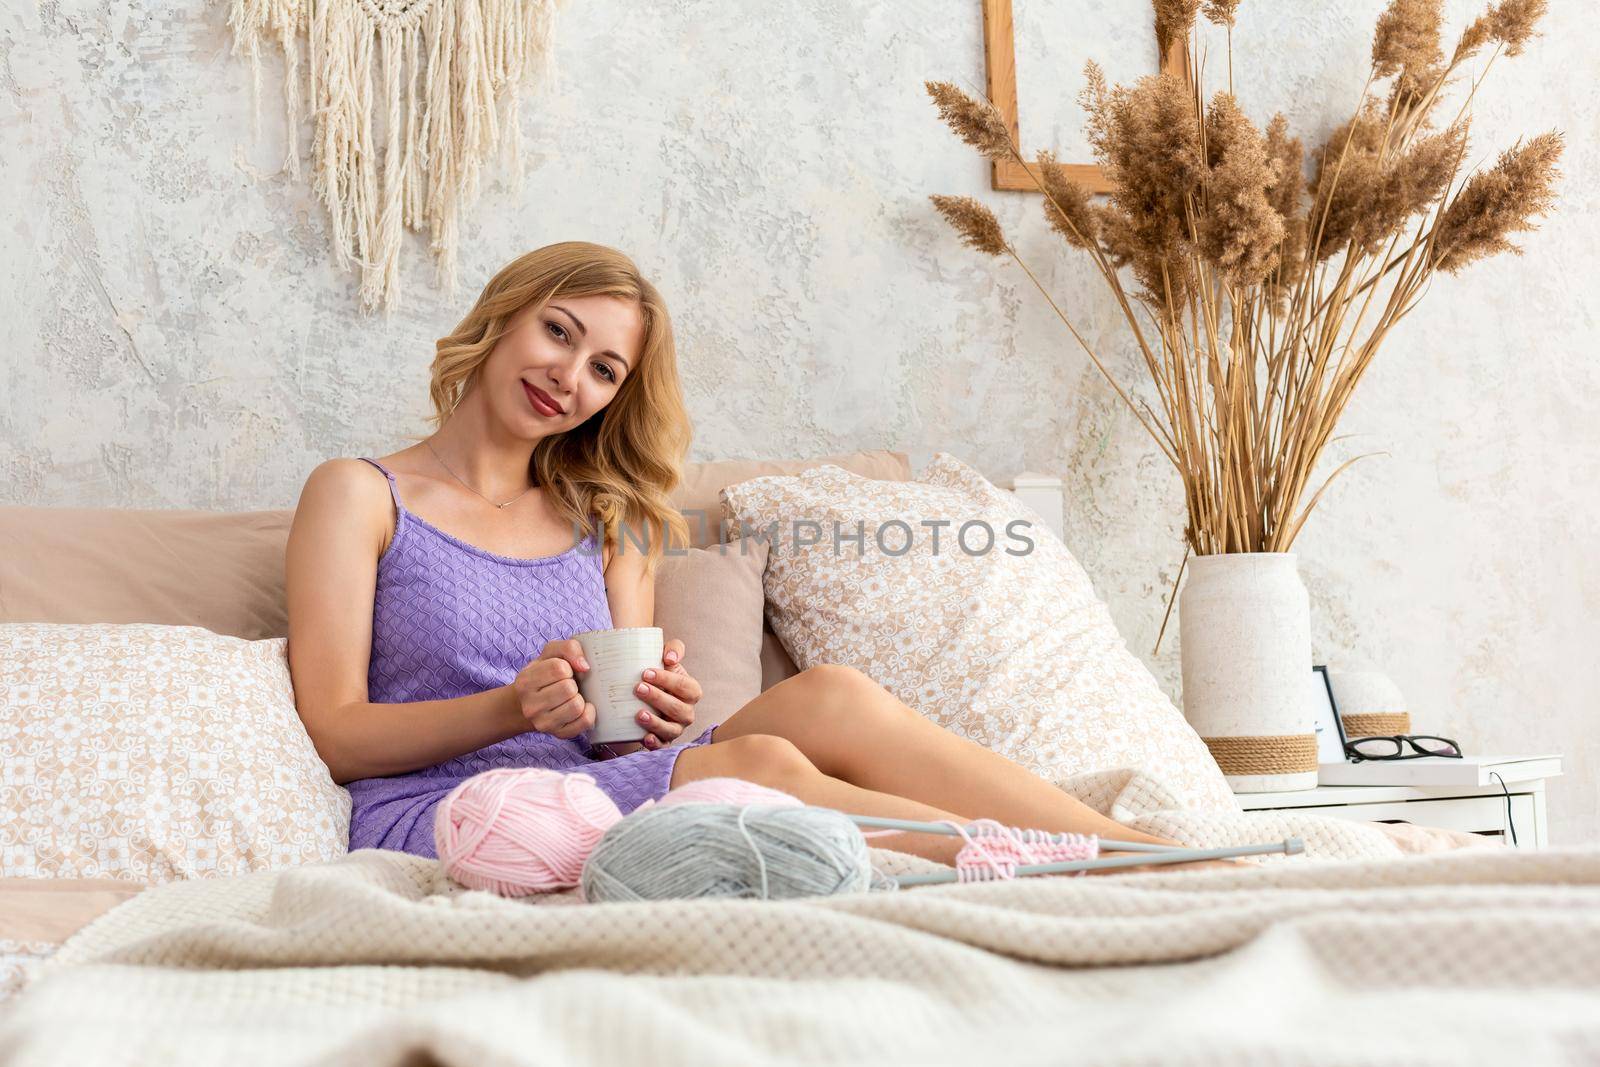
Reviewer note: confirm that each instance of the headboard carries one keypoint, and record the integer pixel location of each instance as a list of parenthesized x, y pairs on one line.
[(1042, 493)]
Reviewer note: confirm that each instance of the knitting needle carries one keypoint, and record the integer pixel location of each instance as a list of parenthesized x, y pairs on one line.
[(941, 828), (1289, 847)]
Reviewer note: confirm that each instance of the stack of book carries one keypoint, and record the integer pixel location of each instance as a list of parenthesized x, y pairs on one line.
[(1440, 771)]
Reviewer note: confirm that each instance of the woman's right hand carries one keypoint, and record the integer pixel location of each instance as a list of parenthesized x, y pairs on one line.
[(547, 691)]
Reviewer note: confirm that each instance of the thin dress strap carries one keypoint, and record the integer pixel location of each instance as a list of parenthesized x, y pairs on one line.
[(393, 489)]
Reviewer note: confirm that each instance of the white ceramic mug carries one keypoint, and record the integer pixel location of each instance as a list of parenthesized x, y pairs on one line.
[(617, 660)]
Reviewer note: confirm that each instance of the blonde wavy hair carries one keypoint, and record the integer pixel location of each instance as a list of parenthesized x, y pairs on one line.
[(619, 466)]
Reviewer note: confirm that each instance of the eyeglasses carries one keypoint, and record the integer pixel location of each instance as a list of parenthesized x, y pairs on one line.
[(1392, 747)]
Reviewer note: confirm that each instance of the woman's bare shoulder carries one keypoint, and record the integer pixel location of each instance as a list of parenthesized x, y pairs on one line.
[(350, 491), (346, 473)]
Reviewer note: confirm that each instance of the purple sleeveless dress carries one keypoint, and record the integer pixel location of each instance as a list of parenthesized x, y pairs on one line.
[(450, 619)]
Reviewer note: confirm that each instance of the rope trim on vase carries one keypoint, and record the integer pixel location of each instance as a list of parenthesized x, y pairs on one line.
[(1376, 723), (1265, 753)]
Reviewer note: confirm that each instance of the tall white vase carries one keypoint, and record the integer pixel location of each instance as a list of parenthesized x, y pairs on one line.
[(1245, 627)]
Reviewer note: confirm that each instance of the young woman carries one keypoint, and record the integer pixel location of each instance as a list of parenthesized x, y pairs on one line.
[(433, 594)]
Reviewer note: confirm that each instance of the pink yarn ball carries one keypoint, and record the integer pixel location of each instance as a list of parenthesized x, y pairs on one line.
[(521, 830), (728, 791)]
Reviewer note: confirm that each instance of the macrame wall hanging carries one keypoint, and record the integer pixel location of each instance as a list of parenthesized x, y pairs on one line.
[(409, 99)]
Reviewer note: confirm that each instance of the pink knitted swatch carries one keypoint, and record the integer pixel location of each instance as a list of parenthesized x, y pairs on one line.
[(994, 851)]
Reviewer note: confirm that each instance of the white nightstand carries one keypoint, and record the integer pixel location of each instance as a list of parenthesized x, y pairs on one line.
[(1477, 809)]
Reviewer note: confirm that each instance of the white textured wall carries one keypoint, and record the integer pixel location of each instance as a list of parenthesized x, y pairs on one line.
[(174, 333)]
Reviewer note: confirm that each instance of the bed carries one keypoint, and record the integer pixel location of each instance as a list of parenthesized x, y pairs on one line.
[(1465, 956), (1382, 943)]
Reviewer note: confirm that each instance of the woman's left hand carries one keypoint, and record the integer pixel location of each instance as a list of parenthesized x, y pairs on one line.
[(671, 693)]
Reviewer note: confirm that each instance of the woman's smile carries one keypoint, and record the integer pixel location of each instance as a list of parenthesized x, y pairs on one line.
[(542, 401)]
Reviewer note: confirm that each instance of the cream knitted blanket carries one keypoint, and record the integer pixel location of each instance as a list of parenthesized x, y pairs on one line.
[(1467, 956)]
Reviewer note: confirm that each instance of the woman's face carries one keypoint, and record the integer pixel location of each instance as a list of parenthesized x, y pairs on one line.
[(575, 351)]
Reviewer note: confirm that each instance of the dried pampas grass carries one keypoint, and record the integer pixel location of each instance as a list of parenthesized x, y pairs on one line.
[(1241, 233), (1256, 307), (977, 225), (1496, 202), (978, 122), (1067, 205)]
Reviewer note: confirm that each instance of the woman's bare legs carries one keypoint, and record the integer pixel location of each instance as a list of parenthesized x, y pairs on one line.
[(776, 763), (870, 754)]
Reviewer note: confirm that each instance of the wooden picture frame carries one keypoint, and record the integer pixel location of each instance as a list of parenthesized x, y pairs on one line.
[(1000, 64)]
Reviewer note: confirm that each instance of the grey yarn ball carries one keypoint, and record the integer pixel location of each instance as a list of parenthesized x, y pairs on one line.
[(677, 851)]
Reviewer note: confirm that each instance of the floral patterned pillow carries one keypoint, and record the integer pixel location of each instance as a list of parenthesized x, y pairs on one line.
[(957, 597), (155, 753)]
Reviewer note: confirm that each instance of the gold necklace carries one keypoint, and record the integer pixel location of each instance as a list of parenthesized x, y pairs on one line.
[(458, 478)]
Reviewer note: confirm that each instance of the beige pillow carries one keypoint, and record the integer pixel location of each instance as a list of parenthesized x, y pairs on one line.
[(153, 753), (775, 662), (697, 495), (1009, 647), (711, 598), (224, 569)]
